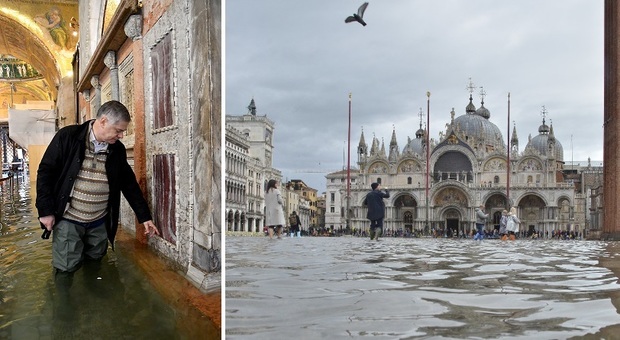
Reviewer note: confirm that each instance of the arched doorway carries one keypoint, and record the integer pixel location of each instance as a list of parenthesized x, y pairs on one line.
[(452, 218), (406, 212), (531, 214), (495, 204), (230, 219)]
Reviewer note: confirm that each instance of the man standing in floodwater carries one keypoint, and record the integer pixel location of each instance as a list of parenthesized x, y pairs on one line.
[(79, 185), (376, 209), (481, 219)]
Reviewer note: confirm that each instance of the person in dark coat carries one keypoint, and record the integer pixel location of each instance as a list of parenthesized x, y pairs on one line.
[(376, 209), (295, 224), (79, 183)]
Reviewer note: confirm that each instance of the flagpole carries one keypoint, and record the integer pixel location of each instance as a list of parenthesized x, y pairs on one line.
[(508, 159), (348, 216), (428, 152)]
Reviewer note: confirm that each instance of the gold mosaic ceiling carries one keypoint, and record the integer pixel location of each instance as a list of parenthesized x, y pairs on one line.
[(42, 35)]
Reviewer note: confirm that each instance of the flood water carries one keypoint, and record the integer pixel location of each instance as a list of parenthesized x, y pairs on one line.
[(107, 300), (349, 288)]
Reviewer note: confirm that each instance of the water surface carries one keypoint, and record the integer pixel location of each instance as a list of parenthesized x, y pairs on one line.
[(317, 287), (107, 300)]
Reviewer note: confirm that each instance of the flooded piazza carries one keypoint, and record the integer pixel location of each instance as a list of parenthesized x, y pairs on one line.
[(113, 299), (424, 288)]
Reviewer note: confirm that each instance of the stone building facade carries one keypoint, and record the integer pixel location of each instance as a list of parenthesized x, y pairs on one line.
[(468, 166), (307, 206), (236, 182), (162, 60), (335, 198), (257, 133)]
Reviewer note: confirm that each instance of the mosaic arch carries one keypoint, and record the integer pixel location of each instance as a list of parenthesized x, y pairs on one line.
[(409, 166), (495, 164), (378, 168), (450, 196), (31, 64), (530, 164), (51, 27)]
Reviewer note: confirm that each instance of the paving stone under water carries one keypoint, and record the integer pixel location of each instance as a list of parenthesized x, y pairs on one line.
[(345, 287)]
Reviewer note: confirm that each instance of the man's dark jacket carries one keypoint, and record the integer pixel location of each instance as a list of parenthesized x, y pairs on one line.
[(376, 207), (60, 166)]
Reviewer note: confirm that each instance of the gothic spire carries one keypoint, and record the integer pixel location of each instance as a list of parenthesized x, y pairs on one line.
[(252, 108)]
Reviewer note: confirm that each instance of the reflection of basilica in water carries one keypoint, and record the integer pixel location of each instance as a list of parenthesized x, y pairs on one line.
[(468, 168)]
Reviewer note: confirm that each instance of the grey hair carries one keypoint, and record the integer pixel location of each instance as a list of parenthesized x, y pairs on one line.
[(115, 111)]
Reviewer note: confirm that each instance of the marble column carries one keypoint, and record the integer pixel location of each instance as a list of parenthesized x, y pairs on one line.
[(110, 61), (96, 98)]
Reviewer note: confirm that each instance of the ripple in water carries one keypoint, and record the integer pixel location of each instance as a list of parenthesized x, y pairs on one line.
[(419, 288)]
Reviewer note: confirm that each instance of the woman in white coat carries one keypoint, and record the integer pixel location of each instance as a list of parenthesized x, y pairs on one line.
[(512, 223), (274, 209)]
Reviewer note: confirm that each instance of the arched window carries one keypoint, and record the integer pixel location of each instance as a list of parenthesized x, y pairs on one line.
[(379, 180), (496, 179), (529, 179), (408, 180)]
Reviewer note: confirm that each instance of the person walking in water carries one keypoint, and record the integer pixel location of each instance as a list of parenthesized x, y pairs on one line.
[(502, 225), (274, 209), (512, 224), (79, 184), (295, 224), (481, 219), (376, 209)]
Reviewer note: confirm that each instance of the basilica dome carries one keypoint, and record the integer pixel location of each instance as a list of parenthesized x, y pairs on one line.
[(540, 143), (415, 146), (474, 126)]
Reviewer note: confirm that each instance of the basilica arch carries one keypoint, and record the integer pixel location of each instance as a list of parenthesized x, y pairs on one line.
[(531, 212), (494, 204), (405, 211), (453, 220), (566, 216), (453, 164)]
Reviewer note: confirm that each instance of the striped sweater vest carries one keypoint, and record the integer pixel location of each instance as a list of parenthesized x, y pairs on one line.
[(89, 197)]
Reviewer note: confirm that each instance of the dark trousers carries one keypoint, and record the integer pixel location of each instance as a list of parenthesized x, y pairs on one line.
[(376, 228)]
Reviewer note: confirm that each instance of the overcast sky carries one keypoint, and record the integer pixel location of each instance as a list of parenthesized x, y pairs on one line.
[(300, 60)]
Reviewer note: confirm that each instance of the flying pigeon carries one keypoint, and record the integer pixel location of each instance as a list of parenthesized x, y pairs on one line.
[(359, 17)]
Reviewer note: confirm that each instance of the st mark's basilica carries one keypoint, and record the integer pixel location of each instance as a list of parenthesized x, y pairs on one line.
[(468, 167)]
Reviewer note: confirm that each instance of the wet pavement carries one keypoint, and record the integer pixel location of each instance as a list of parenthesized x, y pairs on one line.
[(131, 294), (345, 287)]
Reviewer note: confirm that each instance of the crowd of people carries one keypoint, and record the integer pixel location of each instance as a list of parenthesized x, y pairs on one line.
[(508, 228)]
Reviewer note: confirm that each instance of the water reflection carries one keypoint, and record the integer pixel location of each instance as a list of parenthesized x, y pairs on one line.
[(108, 299), (420, 288)]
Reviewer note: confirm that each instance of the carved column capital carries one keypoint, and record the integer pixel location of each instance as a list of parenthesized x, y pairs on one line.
[(110, 60), (94, 81), (133, 27)]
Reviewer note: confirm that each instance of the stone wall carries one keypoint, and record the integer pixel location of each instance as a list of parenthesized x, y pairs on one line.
[(205, 59), (183, 133)]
